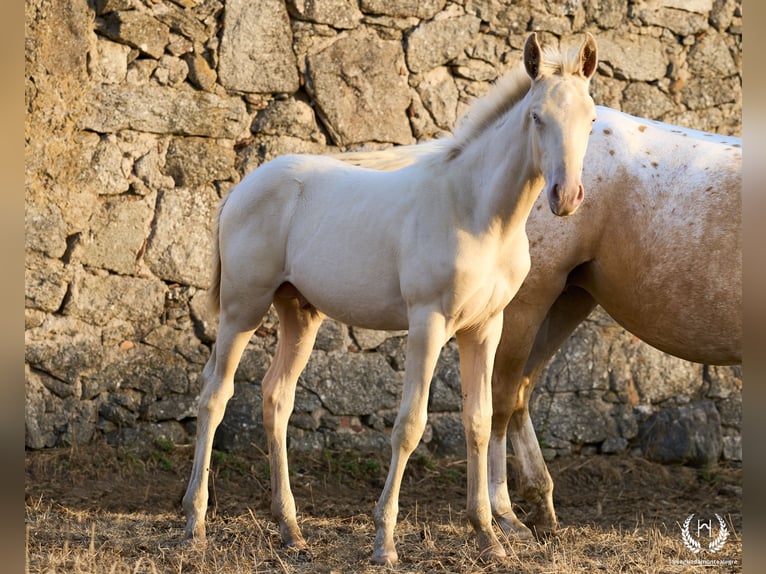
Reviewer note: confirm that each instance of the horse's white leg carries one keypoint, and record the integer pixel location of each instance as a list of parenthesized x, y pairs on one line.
[(500, 500), (427, 334), (477, 354), (218, 388), (535, 482), (297, 331)]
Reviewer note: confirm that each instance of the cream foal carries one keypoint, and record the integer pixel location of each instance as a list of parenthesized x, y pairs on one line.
[(438, 248)]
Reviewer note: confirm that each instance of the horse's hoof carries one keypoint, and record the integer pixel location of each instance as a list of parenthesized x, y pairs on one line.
[(543, 534), (493, 553), (543, 528), (515, 529), (382, 557)]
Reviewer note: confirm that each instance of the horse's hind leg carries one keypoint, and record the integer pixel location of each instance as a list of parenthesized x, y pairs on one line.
[(234, 332), (298, 326), (513, 388), (535, 483)]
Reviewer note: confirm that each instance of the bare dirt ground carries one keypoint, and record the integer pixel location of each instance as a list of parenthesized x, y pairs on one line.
[(100, 509)]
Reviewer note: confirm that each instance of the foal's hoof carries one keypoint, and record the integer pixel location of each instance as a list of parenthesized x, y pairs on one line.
[(300, 553), (195, 536), (382, 556), (296, 544), (193, 542)]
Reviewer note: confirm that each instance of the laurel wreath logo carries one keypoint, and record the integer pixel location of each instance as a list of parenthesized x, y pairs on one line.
[(714, 546)]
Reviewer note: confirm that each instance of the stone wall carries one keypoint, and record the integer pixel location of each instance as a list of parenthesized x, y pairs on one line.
[(141, 114)]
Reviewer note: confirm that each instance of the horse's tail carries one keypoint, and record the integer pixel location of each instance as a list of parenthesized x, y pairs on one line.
[(392, 158), (214, 293)]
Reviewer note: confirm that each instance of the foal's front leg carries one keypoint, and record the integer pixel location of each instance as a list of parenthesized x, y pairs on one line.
[(477, 354), (427, 335)]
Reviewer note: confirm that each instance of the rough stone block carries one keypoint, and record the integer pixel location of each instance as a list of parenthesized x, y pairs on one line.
[(352, 383), (45, 282), (194, 162), (360, 89), (137, 29), (164, 111), (634, 57), (448, 434), (256, 48), (99, 298), (710, 57), (614, 445), (181, 245), (286, 118), (608, 13), (181, 21), (153, 372), (110, 64), (702, 93), (574, 418), (200, 72), (424, 9), (241, 429), (343, 14), (118, 234), (439, 95), (646, 101), (437, 42), (64, 347), (698, 6), (171, 71), (689, 434)]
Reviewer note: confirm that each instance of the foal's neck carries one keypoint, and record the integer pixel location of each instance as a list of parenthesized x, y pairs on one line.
[(506, 180)]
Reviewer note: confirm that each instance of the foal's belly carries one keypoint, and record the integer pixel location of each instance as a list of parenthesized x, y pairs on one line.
[(362, 298)]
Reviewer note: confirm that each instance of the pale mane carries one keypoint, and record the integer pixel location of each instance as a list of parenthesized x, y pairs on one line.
[(506, 93)]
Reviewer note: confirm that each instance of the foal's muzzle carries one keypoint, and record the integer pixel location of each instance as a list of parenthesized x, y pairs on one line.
[(565, 199)]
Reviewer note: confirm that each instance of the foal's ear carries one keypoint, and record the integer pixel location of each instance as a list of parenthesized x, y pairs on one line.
[(588, 56), (532, 56)]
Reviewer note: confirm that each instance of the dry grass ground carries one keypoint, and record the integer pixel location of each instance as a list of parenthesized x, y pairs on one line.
[(99, 509)]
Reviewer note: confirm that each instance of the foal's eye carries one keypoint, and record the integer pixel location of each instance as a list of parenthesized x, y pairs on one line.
[(536, 118)]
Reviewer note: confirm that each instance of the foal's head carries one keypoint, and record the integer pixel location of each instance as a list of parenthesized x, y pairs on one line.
[(560, 117)]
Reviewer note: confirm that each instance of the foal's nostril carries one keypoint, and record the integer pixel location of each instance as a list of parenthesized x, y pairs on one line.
[(580, 192), (555, 190)]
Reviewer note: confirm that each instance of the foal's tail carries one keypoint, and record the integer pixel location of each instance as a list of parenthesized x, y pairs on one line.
[(214, 293)]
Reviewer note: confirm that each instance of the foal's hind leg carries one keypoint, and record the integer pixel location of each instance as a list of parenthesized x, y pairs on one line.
[(234, 331), (298, 326)]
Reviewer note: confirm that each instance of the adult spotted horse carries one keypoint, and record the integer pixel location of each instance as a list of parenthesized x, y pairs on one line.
[(438, 247), (657, 244)]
